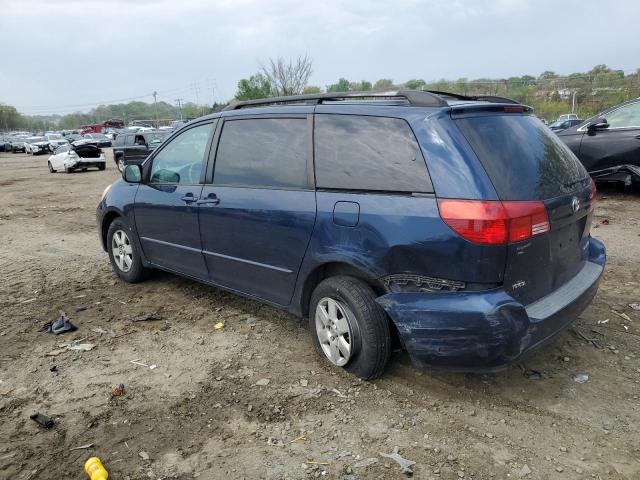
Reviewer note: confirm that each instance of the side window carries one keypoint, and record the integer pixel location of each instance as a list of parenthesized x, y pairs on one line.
[(128, 140), (139, 140), (628, 116), (180, 161), (119, 141), (268, 152), (368, 153)]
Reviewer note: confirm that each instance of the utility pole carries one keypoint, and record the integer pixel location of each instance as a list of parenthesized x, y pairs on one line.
[(179, 102), (573, 102), (155, 106)]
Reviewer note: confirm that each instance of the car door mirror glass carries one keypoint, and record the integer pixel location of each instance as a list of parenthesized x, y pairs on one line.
[(165, 176), (132, 174)]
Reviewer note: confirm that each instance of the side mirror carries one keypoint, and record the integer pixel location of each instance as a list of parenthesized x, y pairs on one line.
[(598, 124), (132, 174)]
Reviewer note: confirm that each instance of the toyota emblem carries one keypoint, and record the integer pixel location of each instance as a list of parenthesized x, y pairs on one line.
[(575, 204)]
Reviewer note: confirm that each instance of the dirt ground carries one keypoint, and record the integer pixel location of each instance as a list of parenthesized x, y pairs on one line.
[(205, 412)]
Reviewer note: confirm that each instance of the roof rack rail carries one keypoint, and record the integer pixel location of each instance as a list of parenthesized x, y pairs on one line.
[(417, 98), (483, 98)]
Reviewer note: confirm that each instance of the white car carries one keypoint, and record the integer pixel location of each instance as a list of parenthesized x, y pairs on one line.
[(69, 158), (55, 140), (36, 145)]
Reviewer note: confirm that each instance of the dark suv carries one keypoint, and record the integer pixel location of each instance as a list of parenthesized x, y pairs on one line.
[(133, 148), (455, 227)]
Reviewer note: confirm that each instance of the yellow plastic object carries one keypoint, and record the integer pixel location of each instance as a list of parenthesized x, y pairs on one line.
[(219, 325), (95, 470)]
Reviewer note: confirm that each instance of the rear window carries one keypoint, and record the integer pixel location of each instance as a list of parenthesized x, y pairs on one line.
[(355, 152), (523, 158)]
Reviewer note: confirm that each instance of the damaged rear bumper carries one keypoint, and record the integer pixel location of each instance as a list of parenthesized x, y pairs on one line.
[(476, 331)]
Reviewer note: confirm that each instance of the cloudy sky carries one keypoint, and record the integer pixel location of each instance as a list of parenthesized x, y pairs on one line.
[(65, 55)]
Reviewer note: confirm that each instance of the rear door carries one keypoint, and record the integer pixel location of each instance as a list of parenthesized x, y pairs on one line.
[(617, 145), (258, 214), (526, 162), (166, 204)]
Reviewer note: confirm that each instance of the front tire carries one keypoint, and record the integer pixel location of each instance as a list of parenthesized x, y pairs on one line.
[(123, 253), (349, 328), (51, 169), (120, 164)]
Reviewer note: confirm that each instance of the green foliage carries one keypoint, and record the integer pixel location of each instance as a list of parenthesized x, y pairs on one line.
[(383, 84), (311, 89), (257, 86), (415, 84), (343, 85), (361, 86)]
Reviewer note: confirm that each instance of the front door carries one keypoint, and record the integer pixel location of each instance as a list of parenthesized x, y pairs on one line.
[(619, 144), (166, 205), (257, 216)]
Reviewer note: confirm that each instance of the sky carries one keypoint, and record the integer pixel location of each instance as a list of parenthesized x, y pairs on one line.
[(59, 56)]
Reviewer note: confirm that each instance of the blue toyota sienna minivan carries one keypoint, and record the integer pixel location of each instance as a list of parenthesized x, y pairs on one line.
[(455, 227)]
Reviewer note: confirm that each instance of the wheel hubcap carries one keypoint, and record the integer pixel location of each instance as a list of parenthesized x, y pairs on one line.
[(333, 329), (121, 250), (121, 165)]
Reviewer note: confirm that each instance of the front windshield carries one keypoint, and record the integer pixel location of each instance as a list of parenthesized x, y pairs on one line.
[(99, 136), (54, 136), (36, 139)]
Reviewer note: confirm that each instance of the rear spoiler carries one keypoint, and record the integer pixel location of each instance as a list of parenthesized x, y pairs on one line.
[(464, 109)]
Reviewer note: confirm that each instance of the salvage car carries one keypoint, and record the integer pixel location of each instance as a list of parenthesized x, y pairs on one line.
[(55, 140), (36, 145), (130, 148), (69, 158), (608, 144), (562, 124), (97, 139), (455, 227), (17, 143)]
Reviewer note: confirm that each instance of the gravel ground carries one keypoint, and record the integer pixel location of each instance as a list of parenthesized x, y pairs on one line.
[(252, 399)]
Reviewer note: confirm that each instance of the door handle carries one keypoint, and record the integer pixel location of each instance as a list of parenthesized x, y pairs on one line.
[(212, 199), (189, 198)]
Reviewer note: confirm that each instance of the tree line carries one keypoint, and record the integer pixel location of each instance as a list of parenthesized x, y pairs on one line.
[(549, 94)]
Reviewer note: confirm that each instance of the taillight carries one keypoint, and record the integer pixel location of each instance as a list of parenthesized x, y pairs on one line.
[(592, 195), (494, 222)]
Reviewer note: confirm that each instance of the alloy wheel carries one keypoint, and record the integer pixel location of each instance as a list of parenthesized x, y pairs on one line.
[(334, 331), (122, 250)]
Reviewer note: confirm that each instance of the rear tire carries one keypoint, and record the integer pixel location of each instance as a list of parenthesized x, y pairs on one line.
[(102, 167), (68, 170), (51, 170), (365, 346), (120, 244)]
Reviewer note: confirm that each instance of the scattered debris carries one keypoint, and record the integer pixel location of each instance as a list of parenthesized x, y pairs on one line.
[(580, 377), (605, 221), (301, 438), (61, 325), (367, 462), (42, 420), (524, 471), (28, 301), (405, 465), (338, 392), (144, 455), (263, 382), (104, 331), (81, 447), (82, 347), (118, 390), (138, 362), (218, 325), (315, 462), (81, 308), (635, 306), (602, 322), (304, 382), (147, 316), (622, 315)]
